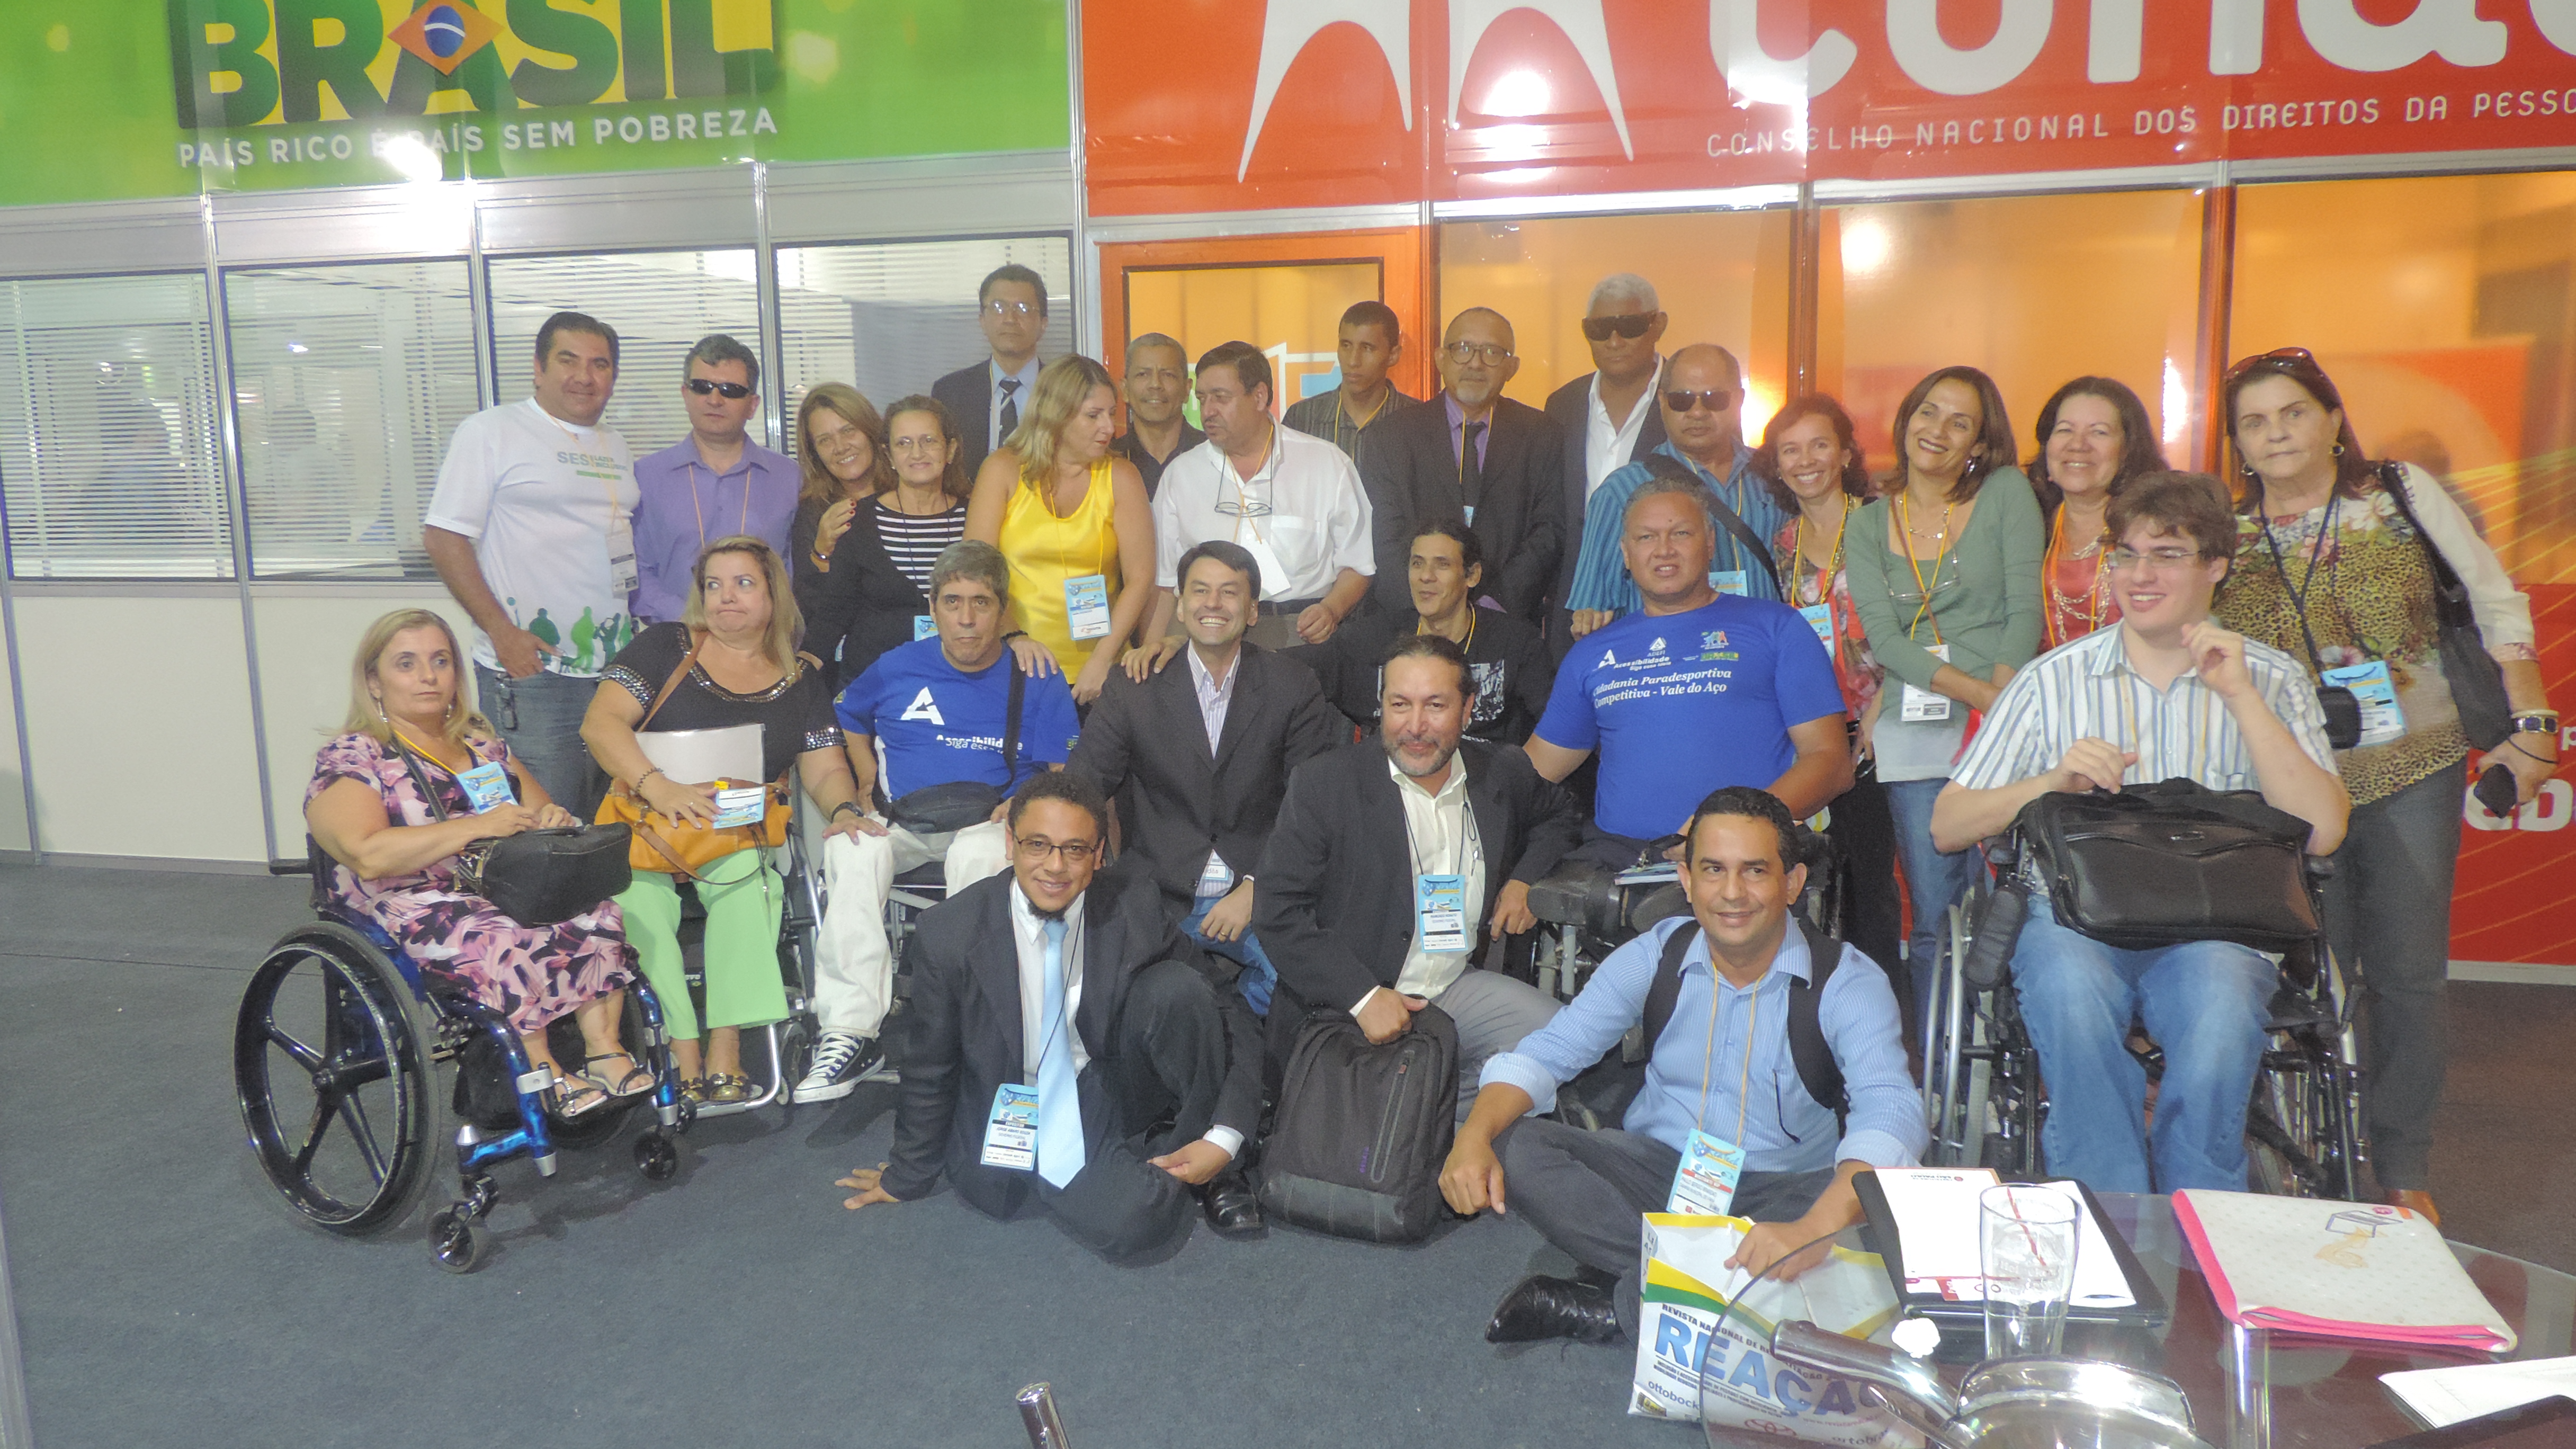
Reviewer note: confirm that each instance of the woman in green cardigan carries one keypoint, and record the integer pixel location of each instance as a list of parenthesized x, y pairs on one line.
[(1944, 572)]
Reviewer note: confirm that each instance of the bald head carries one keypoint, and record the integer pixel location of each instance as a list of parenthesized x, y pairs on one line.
[(1706, 378), (1477, 358), (1707, 365)]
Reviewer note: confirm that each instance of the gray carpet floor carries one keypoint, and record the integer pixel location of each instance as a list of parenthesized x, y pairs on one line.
[(165, 1297)]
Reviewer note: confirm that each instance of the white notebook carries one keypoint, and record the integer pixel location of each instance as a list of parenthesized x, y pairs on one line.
[(2444, 1396)]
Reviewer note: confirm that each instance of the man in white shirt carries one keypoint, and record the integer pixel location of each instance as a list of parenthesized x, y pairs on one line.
[(530, 527), (1292, 501), (1609, 415), (1011, 311)]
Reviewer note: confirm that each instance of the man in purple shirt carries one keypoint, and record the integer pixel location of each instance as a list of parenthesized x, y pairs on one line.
[(713, 484)]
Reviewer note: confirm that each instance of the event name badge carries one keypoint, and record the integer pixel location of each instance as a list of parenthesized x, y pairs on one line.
[(1086, 606), (487, 787), (1922, 706), (1820, 617), (623, 575), (1440, 912), (924, 627), (1216, 876), (1011, 1135), (1727, 581), (1704, 1183), (740, 805), (2381, 719)]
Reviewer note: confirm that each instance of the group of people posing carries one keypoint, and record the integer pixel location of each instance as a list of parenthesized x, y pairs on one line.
[(1218, 729)]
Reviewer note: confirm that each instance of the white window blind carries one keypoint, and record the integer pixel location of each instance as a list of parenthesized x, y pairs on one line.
[(661, 303), (108, 430), (890, 318), (347, 383)]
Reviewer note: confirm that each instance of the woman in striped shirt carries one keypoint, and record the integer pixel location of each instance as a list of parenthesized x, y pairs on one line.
[(862, 584)]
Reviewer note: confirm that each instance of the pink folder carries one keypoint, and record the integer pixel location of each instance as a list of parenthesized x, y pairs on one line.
[(2337, 1269)]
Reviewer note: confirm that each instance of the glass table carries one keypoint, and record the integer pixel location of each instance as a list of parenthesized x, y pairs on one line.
[(2249, 1388)]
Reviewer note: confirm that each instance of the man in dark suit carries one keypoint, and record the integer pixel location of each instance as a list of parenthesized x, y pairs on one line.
[(1608, 415), (1011, 310), (1472, 453), (1068, 1048), (1393, 857)]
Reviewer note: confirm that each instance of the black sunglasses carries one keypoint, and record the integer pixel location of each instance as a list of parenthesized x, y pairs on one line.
[(732, 390), (2281, 359), (1682, 399), (1628, 324)]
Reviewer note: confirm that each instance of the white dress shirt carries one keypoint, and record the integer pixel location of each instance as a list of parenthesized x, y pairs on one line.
[(1303, 515), (1216, 696), (1441, 834), (1607, 445), (1028, 932)]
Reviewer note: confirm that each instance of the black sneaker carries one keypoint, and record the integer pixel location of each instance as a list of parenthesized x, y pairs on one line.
[(841, 1061)]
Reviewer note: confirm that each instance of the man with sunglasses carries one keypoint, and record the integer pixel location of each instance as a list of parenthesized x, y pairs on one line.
[(2167, 693), (987, 397), (1609, 416), (1068, 1052), (1702, 393), (1473, 454), (715, 483)]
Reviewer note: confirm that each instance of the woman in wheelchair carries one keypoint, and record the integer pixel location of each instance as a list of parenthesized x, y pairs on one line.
[(731, 663), (394, 854)]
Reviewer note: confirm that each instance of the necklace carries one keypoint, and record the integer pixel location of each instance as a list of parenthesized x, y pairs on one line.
[(1833, 569), (2088, 602)]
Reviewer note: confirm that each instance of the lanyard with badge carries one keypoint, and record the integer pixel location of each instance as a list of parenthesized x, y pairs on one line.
[(2370, 685), (700, 509), (487, 785), (1704, 1182), (1922, 706), (1440, 900), (1274, 574), (1086, 596), (1820, 614), (1011, 1132)]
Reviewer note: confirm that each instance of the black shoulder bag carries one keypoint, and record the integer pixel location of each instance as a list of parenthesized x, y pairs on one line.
[(957, 804), (1818, 1072), (1664, 465), (2157, 865), (538, 877), (2477, 684)]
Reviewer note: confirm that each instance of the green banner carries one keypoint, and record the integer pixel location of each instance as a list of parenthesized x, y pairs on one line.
[(114, 99)]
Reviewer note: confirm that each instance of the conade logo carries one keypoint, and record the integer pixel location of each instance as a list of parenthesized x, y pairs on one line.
[(278, 62)]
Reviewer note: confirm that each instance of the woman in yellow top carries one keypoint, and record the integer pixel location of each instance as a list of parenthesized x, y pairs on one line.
[(1073, 520)]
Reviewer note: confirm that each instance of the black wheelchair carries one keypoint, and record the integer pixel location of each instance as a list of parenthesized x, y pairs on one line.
[(1987, 1101), (336, 1056), (783, 1048)]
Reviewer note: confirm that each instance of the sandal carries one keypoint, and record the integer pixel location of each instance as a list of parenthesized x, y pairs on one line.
[(578, 1096), (632, 1082), (693, 1090), (724, 1089)]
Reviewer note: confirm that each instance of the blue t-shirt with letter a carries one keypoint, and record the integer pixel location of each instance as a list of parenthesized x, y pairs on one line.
[(1682, 704), (935, 723)]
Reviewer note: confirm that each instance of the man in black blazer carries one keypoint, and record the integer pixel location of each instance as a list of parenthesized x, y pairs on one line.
[(1396, 859), (1166, 1081), (1608, 415), (987, 398), (1472, 453)]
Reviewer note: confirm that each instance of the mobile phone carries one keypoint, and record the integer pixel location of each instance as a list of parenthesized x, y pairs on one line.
[(2548, 1423)]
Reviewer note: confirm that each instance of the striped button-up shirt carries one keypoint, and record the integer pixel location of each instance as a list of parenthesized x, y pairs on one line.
[(2087, 690)]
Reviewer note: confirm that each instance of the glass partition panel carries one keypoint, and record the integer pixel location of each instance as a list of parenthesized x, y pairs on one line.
[(890, 318), (2035, 290), (1722, 277), (661, 303), (347, 383), (1292, 312), (2445, 310), (108, 430)]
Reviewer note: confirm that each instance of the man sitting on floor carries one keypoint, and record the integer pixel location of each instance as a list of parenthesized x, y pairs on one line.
[(2167, 693), (1744, 975), (934, 712), (1067, 1049)]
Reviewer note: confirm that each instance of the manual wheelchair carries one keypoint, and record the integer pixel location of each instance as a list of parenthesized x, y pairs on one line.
[(1986, 1099), (336, 1050), (1586, 910)]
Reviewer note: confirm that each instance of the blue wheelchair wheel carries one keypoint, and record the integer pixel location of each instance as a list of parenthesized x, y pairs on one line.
[(333, 1069)]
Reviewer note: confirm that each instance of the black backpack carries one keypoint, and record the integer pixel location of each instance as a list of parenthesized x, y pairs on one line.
[(1818, 1072), (1363, 1130)]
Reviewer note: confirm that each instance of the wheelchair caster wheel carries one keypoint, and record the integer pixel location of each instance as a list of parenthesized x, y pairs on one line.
[(655, 1157), (688, 1114), (457, 1241)]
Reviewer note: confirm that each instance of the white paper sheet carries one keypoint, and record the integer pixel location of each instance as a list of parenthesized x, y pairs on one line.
[(1937, 1224), (695, 757), (2445, 1396)]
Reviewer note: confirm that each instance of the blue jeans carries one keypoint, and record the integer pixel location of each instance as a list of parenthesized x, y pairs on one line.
[(1934, 880), (2204, 1002), (539, 718), (1259, 976)]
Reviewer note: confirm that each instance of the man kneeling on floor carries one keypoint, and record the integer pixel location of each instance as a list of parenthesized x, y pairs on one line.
[(1066, 1048), (942, 728), (1747, 976)]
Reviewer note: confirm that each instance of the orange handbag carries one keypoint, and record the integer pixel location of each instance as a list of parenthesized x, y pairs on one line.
[(685, 847)]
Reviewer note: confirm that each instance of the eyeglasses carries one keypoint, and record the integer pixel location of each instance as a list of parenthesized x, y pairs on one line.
[(733, 391), (919, 445), (1006, 307), (1630, 324), (2125, 560), (1243, 507), (2282, 359), (1491, 354), (1036, 849), (1683, 400)]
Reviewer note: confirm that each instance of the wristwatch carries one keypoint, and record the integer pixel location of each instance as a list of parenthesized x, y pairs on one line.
[(849, 805)]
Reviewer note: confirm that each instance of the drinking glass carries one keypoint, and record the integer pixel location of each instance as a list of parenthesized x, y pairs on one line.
[(2026, 1240)]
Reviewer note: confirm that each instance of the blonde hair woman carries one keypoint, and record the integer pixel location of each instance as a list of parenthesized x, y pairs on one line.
[(1073, 520), (841, 447), (731, 662), (393, 828)]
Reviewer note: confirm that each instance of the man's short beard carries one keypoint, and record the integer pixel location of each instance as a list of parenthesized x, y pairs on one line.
[(1434, 768)]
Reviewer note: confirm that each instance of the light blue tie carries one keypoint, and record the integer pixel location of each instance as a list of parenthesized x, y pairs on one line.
[(1060, 1153)]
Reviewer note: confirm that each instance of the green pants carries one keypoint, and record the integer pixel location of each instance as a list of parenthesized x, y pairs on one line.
[(745, 902)]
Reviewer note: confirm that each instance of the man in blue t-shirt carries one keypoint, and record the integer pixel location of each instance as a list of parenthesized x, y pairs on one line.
[(932, 712), (1698, 691)]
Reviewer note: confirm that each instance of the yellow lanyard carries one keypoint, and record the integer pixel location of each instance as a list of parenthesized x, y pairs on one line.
[(700, 510), (1423, 626), (1242, 485), (1940, 561), (1708, 1057), (1058, 522), (418, 749), (1798, 550), (1341, 415)]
